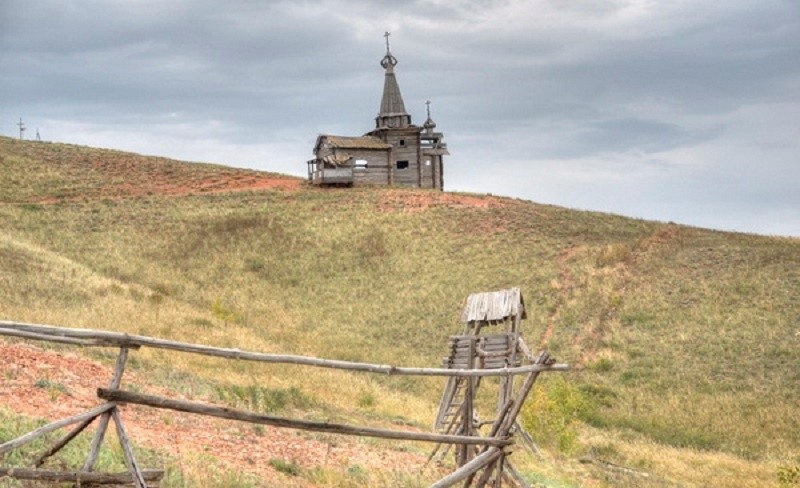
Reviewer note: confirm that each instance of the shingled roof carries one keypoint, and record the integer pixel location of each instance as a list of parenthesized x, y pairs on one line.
[(493, 306), (360, 142), (392, 101)]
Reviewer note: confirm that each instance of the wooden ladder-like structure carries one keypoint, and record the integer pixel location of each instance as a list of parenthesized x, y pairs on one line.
[(505, 348), (472, 352)]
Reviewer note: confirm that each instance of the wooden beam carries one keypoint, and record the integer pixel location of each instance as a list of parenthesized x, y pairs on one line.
[(125, 340), (233, 414), (487, 473), (507, 415), (468, 469), (527, 439), (63, 441), (127, 451), (99, 435), (46, 429), (97, 441), (464, 453), (516, 476), (149, 475), (50, 338), (519, 400)]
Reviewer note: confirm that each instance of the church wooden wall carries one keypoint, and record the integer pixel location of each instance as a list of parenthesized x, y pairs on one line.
[(431, 172), (408, 151), (377, 170)]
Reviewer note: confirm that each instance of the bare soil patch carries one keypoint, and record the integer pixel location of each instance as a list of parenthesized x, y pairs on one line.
[(409, 200)]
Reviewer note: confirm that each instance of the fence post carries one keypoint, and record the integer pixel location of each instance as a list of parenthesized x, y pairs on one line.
[(99, 435)]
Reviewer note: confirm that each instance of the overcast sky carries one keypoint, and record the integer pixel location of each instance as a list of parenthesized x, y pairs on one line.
[(684, 111)]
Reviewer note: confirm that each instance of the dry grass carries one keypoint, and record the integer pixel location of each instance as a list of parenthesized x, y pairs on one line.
[(685, 341)]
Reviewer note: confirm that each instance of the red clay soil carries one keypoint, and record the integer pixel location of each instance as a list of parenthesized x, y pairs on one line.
[(74, 379), (225, 181), (103, 174), (409, 200)]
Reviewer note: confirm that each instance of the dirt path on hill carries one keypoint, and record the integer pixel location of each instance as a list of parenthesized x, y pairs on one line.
[(564, 285), (53, 385)]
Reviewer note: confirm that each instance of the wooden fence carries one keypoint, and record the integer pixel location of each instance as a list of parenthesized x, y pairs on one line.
[(489, 450)]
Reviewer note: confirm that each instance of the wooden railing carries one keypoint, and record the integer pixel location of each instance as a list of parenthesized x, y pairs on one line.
[(494, 445)]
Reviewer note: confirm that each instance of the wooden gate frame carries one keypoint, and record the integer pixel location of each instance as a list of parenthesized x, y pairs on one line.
[(493, 451)]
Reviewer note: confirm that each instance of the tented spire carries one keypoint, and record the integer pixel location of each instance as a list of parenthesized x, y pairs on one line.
[(393, 111)]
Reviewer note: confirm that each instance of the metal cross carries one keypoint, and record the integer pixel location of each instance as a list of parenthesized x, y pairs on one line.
[(386, 35), (428, 107)]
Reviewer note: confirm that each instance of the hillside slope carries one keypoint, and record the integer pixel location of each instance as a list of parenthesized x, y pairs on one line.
[(684, 340)]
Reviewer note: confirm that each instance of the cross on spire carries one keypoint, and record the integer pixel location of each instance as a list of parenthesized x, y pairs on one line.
[(388, 62), (429, 124), (392, 112)]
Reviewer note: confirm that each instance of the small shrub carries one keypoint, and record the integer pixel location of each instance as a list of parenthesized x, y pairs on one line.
[(366, 400), (222, 312), (255, 264), (265, 400), (53, 389), (290, 468), (357, 472), (598, 395), (789, 476), (373, 247), (554, 412), (612, 254), (636, 318), (602, 365), (605, 450), (202, 323)]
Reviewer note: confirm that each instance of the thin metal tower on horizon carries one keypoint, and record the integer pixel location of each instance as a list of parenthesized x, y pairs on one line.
[(21, 126)]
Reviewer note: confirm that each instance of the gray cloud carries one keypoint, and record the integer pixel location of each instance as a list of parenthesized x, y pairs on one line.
[(652, 110)]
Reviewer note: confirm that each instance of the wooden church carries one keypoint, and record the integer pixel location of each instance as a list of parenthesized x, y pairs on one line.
[(395, 153)]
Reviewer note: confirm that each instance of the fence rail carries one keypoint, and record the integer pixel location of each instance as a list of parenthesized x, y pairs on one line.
[(494, 444), (89, 337)]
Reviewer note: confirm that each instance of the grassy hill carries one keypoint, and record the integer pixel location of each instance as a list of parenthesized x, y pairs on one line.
[(685, 342)]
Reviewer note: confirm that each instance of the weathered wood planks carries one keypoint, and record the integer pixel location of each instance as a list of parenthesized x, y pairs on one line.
[(493, 306), (81, 477)]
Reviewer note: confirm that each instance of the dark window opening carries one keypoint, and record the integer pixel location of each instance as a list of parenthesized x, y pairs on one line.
[(402, 142), (402, 165)]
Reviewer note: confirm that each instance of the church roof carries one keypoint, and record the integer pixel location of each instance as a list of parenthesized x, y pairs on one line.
[(359, 142), (392, 101)]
